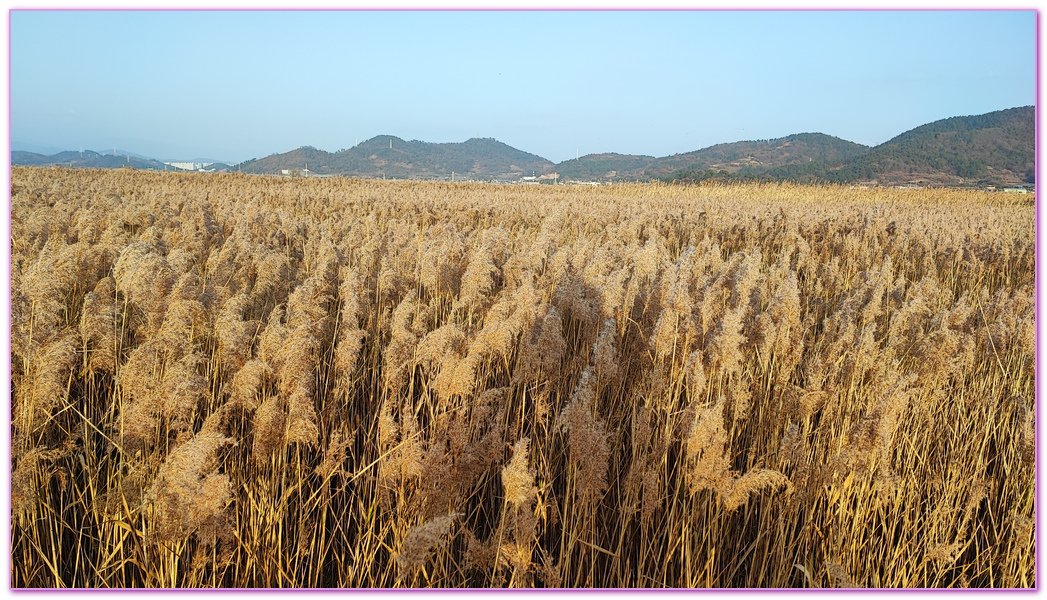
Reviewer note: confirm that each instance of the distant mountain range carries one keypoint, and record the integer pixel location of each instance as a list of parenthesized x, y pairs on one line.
[(994, 148), (89, 159)]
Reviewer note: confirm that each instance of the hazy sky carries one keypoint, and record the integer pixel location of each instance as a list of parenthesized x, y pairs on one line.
[(239, 85)]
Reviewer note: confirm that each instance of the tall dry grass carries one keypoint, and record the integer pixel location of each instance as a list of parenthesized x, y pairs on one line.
[(248, 381)]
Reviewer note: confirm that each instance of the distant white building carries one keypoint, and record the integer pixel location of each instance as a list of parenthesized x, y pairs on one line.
[(189, 166)]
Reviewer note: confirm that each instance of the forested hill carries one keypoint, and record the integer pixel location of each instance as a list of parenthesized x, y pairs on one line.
[(997, 148), (732, 158), (762, 155), (392, 157)]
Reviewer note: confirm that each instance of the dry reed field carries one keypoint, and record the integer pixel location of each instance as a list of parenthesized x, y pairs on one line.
[(236, 381)]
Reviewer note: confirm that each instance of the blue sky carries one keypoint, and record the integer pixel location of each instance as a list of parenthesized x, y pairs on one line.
[(238, 85)]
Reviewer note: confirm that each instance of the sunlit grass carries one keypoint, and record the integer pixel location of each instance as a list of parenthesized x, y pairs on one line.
[(250, 381)]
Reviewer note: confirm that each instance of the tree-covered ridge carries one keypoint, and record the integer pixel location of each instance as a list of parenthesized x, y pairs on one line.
[(735, 158), (998, 147), (605, 166), (761, 155), (994, 148), (390, 156)]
